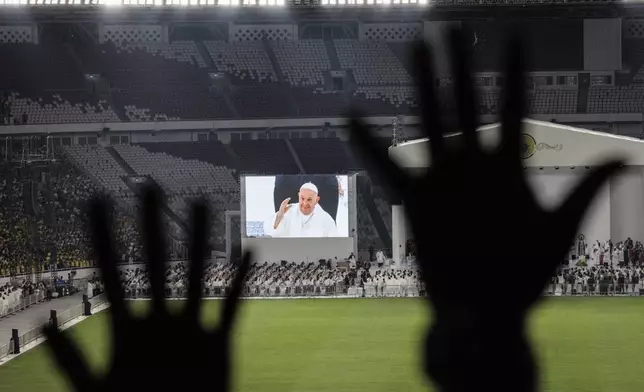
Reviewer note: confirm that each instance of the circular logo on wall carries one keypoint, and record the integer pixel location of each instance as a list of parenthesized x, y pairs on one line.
[(529, 146)]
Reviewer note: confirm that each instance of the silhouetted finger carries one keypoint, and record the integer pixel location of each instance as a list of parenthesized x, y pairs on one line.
[(464, 89), (232, 301), (154, 240), (572, 210), (429, 113), (68, 357), (198, 241), (514, 103), (375, 158), (100, 227)]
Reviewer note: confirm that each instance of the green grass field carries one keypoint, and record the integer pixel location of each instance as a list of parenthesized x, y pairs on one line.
[(583, 344)]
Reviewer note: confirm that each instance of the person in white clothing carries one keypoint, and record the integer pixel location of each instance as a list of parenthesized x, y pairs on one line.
[(380, 257), (309, 220)]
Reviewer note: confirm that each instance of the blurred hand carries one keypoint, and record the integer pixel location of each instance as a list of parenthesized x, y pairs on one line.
[(486, 248), (159, 352)]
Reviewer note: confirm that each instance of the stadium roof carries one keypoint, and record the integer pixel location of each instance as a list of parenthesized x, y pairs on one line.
[(545, 144), (282, 11)]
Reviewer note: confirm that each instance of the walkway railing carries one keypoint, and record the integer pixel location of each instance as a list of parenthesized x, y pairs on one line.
[(23, 303), (35, 333)]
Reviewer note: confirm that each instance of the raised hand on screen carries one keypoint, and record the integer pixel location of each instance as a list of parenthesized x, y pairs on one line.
[(161, 351), (284, 207), (485, 246)]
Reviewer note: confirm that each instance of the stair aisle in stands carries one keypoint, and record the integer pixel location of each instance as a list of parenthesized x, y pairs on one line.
[(332, 54), (365, 189), (119, 159), (583, 92)]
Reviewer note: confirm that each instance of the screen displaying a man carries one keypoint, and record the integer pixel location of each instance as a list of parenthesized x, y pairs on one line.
[(308, 219)]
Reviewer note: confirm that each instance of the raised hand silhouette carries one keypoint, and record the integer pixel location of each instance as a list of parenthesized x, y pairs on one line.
[(161, 351), (486, 248)]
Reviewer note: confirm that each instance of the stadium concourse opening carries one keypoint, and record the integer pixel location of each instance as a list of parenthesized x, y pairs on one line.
[(556, 157)]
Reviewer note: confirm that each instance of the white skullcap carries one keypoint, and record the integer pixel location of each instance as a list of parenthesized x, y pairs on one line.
[(310, 186)]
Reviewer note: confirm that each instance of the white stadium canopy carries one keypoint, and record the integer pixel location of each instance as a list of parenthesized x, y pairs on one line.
[(545, 145), (557, 157)]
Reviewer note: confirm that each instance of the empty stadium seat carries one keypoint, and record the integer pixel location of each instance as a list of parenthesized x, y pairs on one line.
[(246, 61), (302, 62)]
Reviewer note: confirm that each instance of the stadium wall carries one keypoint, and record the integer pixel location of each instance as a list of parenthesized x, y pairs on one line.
[(274, 250), (551, 187), (85, 272), (627, 208)]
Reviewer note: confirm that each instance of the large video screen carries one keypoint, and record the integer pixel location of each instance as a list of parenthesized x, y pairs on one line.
[(296, 206)]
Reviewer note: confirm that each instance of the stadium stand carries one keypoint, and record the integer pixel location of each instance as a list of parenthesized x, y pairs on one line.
[(372, 62), (75, 107), (100, 165), (272, 78), (263, 77), (392, 100), (177, 176), (622, 99), (247, 62), (553, 101), (182, 51)]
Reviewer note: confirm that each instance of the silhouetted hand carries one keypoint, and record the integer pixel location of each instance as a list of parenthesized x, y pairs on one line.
[(162, 351), (486, 248)]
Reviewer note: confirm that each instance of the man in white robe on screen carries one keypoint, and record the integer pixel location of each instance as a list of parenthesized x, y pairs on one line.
[(307, 220)]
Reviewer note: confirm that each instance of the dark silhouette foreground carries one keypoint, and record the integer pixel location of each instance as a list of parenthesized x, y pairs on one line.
[(159, 352), (475, 222)]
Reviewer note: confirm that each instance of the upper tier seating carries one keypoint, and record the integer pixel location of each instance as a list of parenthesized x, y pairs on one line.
[(183, 51), (371, 61), (73, 107), (246, 61), (385, 99), (302, 62), (153, 81), (212, 152)]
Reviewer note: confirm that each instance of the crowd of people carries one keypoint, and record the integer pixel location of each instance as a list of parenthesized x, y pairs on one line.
[(50, 225), (284, 279), (15, 296), (597, 280), (627, 252)]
